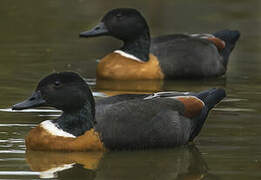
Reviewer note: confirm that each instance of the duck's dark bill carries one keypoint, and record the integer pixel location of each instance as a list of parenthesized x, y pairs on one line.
[(35, 100), (98, 30)]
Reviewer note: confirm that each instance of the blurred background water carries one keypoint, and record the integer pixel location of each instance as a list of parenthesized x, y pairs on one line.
[(40, 37)]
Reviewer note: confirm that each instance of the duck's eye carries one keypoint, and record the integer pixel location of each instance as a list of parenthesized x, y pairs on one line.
[(57, 83)]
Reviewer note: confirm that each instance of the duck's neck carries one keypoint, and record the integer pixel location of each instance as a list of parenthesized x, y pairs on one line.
[(77, 122), (138, 47)]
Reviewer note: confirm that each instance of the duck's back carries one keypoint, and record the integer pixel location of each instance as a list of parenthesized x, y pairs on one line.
[(138, 124), (117, 98), (184, 56)]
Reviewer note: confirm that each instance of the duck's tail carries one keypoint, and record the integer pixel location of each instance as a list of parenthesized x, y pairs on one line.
[(210, 98), (230, 37)]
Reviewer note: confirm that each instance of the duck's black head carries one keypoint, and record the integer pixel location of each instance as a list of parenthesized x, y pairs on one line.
[(122, 23), (127, 25), (66, 91)]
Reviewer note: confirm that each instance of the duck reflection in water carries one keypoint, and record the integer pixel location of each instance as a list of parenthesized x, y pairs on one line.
[(115, 87), (183, 163)]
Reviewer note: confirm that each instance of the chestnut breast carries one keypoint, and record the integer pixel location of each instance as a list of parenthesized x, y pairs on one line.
[(40, 139), (115, 66)]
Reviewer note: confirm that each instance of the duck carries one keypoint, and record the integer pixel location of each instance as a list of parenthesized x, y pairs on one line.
[(165, 57), (121, 122)]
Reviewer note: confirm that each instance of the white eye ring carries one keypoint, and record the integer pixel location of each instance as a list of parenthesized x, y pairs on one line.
[(57, 83), (119, 15)]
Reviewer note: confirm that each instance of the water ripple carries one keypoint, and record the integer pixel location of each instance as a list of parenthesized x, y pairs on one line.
[(49, 115), (12, 152), (233, 100), (12, 159), (17, 125), (30, 110), (235, 109), (18, 173)]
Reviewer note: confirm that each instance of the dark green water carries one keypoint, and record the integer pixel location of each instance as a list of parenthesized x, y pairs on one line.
[(40, 37)]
